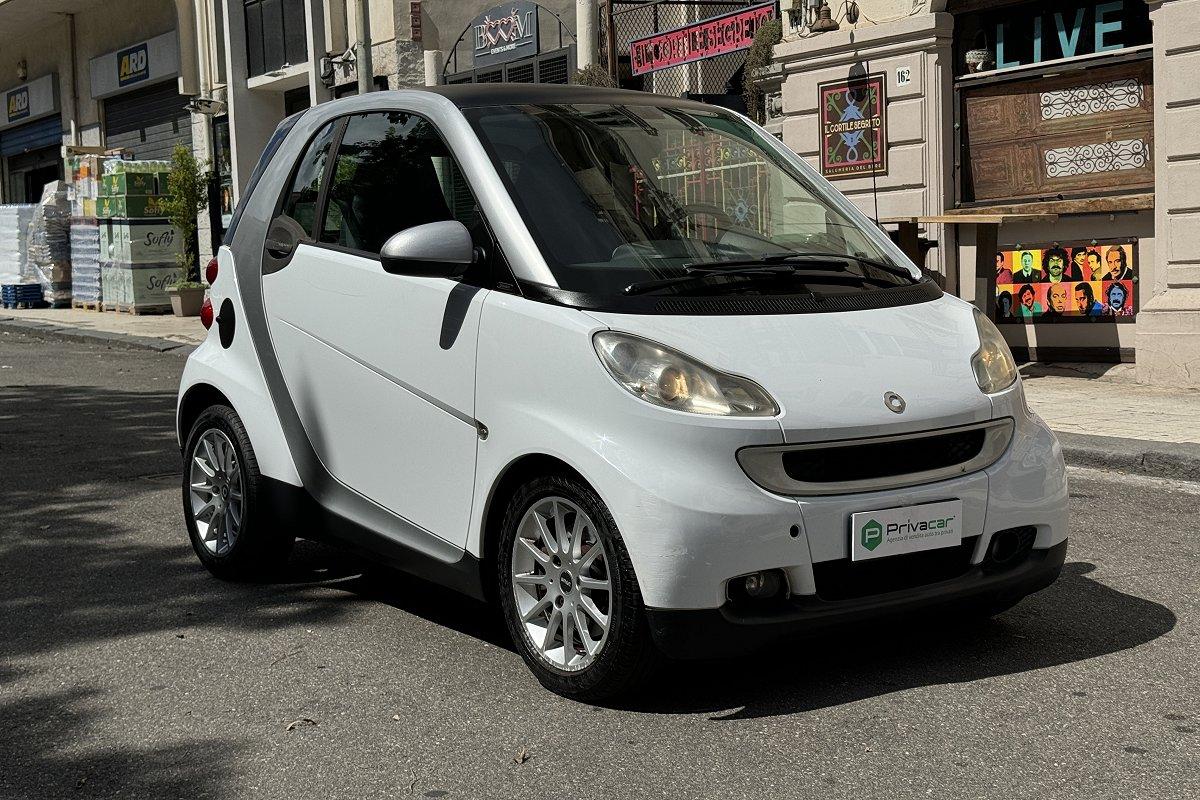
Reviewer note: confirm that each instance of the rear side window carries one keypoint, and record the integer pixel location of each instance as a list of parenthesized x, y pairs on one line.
[(392, 172), (268, 153), (300, 202)]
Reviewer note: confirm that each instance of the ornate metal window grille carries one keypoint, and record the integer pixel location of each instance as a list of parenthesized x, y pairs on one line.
[(1092, 98), (1062, 162)]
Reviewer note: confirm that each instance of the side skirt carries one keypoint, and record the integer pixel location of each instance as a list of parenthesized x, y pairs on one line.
[(295, 508)]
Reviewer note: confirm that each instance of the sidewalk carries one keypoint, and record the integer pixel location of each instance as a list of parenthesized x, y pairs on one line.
[(1102, 416), (146, 331)]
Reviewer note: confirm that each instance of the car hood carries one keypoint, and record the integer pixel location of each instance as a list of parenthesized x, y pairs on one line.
[(830, 372)]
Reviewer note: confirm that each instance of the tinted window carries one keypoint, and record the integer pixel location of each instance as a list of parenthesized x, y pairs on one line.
[(393, 172), (301, 201), (268, 153)]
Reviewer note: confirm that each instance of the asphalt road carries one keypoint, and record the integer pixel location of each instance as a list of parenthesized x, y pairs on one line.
[(126, 671)]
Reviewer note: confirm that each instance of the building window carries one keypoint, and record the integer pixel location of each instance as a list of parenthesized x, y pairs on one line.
[(275, 35)]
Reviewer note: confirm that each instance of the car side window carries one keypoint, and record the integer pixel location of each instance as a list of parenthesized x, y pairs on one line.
[(300, 203), (393, 171)]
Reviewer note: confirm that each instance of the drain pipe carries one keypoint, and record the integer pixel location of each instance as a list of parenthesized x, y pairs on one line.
[(185, 33), (362, 60), (74, 81), (203, 48)]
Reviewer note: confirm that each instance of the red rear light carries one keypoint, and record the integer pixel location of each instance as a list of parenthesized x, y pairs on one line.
[(210, 272), (206, 314)]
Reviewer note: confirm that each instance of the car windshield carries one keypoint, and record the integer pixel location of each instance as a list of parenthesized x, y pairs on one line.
[(631, 199)]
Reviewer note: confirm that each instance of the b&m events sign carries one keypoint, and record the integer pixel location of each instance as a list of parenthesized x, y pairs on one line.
[(505, 33), (714, 36)]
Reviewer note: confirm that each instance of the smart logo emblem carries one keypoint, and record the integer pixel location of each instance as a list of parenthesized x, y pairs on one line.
[(872, 535), (133, 65)]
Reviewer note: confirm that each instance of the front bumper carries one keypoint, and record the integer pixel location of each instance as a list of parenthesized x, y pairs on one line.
[(701, 633)]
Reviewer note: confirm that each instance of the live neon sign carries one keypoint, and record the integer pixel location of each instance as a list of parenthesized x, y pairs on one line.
[(727, 33)]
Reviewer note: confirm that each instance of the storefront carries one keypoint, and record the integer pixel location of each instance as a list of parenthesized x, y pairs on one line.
[(1018, 136), (1055, 115), (143, 111), (30, 139), (520, 42)]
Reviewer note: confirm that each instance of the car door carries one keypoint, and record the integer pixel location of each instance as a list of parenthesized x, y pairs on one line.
[(381, 367)]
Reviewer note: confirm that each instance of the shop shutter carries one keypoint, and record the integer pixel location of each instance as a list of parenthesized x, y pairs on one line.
[(45, 132), (149, 122)]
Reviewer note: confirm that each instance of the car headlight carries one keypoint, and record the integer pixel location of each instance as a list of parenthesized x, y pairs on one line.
[(993, 362), (668, 378)]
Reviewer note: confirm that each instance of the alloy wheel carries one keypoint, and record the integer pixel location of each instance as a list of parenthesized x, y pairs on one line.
[(216, 491), (562, 584)]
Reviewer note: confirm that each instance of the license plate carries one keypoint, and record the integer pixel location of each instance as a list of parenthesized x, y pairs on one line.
[(910, 529)]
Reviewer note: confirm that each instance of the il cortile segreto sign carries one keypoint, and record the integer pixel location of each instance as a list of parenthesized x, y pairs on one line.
[(715, 36)]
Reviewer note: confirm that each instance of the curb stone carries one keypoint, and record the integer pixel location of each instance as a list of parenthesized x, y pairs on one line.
[(72, 334), (1173, 460)]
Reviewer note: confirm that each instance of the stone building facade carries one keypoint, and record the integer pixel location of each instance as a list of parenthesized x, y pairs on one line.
[(1070, 126)]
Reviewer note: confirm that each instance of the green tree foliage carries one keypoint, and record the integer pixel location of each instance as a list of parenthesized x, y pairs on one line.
[(187, 185), (594, 75), (769, 34)]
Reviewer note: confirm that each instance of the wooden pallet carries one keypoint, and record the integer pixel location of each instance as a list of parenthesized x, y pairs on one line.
[(129, 308), (88, 305)]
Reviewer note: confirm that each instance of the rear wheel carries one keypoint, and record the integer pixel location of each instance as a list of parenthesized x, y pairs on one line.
[(569, 595), (223, 503)]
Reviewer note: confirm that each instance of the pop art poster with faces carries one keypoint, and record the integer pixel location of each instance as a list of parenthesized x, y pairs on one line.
[(1088, 281)]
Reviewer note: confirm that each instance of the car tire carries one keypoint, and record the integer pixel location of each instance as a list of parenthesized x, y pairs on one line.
[(224, 505), (624, 656)]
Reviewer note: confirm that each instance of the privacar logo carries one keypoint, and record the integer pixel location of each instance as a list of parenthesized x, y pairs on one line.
[(872, 534)]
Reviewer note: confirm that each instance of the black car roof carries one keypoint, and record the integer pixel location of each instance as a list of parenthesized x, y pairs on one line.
[(466, 95)]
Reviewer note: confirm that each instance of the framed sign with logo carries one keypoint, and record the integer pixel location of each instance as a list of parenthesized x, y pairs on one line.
[(505, 33), (1078, 281), (17, 103), (133, 65), (29, 101), (853, 117)]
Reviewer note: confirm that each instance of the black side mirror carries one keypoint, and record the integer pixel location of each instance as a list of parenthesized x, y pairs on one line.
[(432, 250)]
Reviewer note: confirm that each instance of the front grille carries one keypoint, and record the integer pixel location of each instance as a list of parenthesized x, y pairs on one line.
[(864, 461), (848, 580), (847, 466)]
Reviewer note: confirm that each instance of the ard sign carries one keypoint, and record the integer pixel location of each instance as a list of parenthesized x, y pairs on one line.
[(17, 104), (133, 65), (505, 33), (727, 33)]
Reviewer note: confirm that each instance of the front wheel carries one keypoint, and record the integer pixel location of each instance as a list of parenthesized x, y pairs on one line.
[(223, 502), (570, 599)]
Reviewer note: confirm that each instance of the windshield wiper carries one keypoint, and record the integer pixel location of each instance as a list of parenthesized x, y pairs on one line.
[(894, 269), (700, 274), (757, 269), (773, 265)]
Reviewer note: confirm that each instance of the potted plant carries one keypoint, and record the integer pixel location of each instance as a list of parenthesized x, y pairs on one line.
[(186, 297), (187, 196)]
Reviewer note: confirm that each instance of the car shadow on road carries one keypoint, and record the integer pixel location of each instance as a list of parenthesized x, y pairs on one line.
[(94, 596), (1075, 619)]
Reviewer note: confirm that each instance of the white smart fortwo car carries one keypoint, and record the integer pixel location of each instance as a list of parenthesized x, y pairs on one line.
[(622, 365)]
